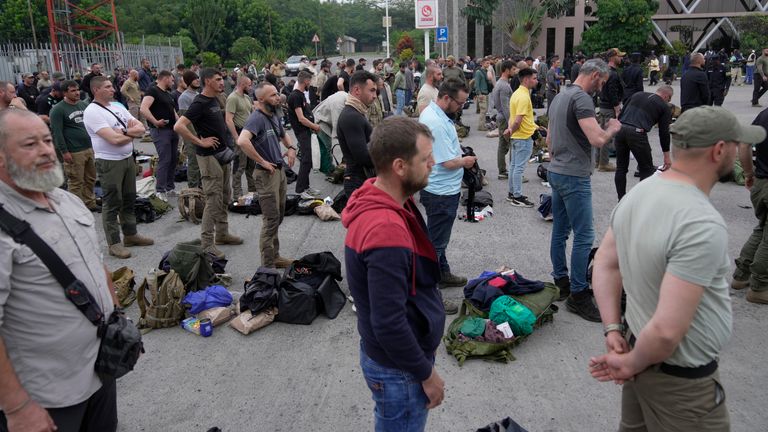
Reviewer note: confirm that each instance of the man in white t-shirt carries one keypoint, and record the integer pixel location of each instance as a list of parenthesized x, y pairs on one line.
[(112, 130)]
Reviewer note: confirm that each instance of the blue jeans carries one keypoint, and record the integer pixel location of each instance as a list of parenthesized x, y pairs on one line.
[(750, 73), (400, 95), (401, 404), (521, 152), (571, 209), (441, 212)]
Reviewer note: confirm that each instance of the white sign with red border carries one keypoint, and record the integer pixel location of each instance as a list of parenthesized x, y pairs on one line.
[(426, 14)]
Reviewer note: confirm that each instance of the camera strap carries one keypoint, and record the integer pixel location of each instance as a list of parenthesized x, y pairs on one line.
[(76, 292)]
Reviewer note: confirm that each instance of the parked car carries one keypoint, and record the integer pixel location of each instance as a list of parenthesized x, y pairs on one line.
[(293, 64)]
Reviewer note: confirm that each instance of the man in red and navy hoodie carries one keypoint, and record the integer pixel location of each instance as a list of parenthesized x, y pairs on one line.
[(392, 271)]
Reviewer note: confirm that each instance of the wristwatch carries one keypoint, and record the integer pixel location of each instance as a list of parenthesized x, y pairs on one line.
[(613, 327), (291, 148)]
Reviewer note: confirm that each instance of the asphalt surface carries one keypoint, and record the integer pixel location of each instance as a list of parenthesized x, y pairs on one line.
[(291, 377)]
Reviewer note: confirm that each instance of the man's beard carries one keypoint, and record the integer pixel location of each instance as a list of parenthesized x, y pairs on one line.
[(34, 179), (412, 185), (269, 107)]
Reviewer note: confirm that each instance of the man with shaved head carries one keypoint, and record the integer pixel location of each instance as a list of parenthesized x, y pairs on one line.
[(428, 91), (694, 86), (260, 140), (8, 98)]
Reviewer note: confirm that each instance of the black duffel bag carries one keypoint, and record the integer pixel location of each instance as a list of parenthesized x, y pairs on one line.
[(310, 287)]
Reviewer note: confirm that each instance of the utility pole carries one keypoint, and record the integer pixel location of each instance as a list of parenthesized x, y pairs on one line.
[(386, 15)]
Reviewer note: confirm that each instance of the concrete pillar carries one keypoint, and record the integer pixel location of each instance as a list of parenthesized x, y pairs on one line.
[(479, 39)]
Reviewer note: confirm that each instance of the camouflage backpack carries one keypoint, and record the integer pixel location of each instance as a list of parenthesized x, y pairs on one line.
[(192, 204), (163, 307)]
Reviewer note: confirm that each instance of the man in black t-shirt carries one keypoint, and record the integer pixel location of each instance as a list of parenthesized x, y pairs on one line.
[(354, 131), (159, 109), (206, 115), (330, 87), (344, 76), (301, 122)]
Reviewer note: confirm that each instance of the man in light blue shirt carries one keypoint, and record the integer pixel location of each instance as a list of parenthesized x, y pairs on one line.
[(441, 196)]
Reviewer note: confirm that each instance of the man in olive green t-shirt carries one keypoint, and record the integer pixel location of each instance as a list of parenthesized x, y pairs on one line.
[(72, 141), (674, 271), (239, 107)]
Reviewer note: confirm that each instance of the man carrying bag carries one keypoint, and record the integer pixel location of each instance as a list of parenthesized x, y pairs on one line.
[(59, 331)]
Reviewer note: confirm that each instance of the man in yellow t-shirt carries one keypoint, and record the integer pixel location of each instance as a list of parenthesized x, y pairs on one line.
[(521, 128)]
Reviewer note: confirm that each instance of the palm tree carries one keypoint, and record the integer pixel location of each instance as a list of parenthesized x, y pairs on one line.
[(525, 18)]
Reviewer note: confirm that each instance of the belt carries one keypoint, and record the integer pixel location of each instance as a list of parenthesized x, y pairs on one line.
[(680, 371), (634, 129)]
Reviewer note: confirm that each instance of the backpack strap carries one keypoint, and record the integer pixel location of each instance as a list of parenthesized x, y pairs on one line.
[(192, 210), (75, 291)]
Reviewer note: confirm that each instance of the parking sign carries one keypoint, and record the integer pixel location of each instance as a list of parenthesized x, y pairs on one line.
[(442, 35)]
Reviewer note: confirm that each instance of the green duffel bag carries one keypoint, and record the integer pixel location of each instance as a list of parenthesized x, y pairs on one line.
[(540, 303)]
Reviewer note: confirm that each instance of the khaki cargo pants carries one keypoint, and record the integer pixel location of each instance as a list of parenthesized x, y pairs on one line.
[(215, 178), (655, 401), (81, 176), (272, 193)]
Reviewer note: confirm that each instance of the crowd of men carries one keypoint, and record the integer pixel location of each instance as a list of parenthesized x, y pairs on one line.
[(678, 313)]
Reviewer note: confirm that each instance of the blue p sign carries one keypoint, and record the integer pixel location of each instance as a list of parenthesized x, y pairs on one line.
[(442, 34)]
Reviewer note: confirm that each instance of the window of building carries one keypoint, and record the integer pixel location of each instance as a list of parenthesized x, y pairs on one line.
[(487, 40), (569, 40), (551, 33)]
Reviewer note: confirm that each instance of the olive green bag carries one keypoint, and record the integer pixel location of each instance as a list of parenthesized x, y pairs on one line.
[(540, 303), (163, 308)]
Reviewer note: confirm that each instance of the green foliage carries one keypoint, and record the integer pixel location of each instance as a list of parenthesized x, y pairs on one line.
[(210, 59), (406, 54), (524, 25), (623, 24), (481, 11), (298, 34), (679, 48), (752, 29), (137, 17), (14, 21), (244, 48), (205, 20)]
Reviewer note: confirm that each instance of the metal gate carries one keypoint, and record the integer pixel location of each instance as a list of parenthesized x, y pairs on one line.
[(16, 59)]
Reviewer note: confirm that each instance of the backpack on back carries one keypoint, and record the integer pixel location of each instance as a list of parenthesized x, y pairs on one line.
[(163, 308), (192, 204)]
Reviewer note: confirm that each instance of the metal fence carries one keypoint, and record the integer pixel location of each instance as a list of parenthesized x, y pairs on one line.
[(16, 59)]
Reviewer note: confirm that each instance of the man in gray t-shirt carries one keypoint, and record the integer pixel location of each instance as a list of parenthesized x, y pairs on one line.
[(48, 348), (678, 307), (260, 140), (573, 130)]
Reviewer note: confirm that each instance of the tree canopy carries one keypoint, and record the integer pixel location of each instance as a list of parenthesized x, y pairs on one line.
[(623, 24)]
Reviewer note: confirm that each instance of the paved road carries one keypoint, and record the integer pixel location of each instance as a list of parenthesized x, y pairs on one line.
[(290, 377)]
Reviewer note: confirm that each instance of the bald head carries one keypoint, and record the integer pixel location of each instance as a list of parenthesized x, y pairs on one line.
[(697, 59)]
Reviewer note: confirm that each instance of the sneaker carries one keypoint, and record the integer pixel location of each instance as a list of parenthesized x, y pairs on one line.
[(521, 201), (282, 262), (493, 134), (504, 176), (757, 105), (137, 240), (314, 192), (760, 297), (564, 283), (582, 305), (451, 280), (451, 307), (162, 196), (310, 194), (525, 179), (215, 252), (607, 168), (549, 218), (117, 250), (739, 284), (228, 239), (171, 193)]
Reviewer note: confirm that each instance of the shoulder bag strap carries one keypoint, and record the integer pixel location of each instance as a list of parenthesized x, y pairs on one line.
[(76, 292), (111, 112)]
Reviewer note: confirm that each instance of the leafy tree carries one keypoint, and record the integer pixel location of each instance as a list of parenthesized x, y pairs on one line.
[(625, 24), (14, 21), (205, 20), (405, 42), (210, 59), (258, 20), (298, 33), (137, 17), (524, 25), (244, 48), (752, 31)]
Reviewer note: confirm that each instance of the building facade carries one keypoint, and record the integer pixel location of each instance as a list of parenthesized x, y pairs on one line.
[(698, 23)]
